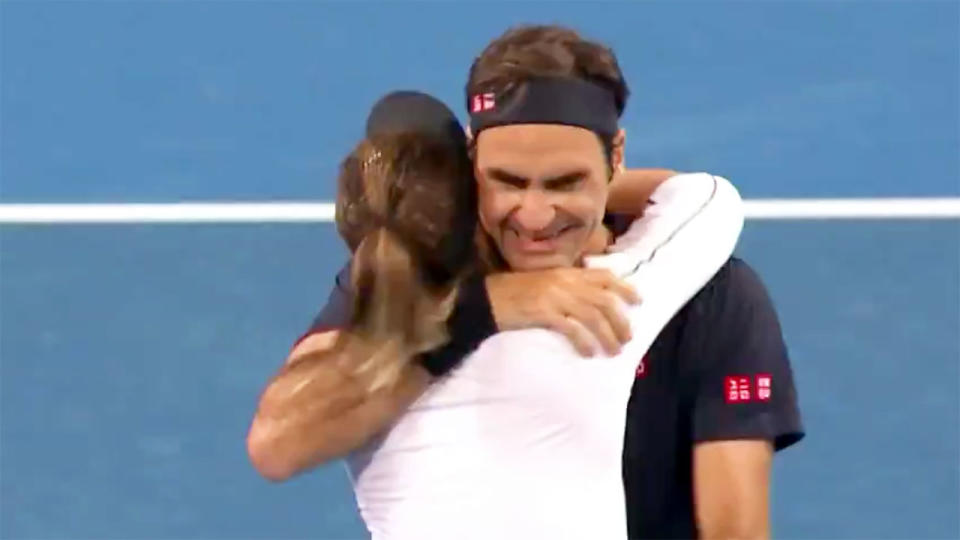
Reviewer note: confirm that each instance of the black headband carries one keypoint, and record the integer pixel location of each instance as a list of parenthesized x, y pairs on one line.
[(546, 100)]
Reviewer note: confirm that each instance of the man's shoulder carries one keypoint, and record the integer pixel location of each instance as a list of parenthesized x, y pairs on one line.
[(732, 306), (735, 285), (732, 316)]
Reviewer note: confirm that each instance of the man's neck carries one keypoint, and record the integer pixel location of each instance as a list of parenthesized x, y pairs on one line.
[(601, 238)]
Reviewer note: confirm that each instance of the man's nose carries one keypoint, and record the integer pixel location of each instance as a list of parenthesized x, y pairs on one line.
[(535, 212)]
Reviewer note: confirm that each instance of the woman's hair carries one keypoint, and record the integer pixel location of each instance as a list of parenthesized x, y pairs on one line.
[(406, 207)]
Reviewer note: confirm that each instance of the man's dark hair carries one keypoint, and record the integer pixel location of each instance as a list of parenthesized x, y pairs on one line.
[(525, 52)]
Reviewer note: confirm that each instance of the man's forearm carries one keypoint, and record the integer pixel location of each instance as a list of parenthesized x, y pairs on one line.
[(631, 189), (314, 411)]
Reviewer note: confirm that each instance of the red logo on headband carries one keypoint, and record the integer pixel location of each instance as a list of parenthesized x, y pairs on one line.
[(482, 102)]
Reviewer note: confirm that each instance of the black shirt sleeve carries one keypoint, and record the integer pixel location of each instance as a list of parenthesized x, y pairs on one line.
[(339, 307), (741, 379)]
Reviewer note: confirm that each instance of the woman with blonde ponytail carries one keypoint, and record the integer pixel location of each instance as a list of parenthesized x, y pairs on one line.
[(405, 207)]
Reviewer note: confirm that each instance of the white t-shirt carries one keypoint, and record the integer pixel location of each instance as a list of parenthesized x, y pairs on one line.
[(524, 439)]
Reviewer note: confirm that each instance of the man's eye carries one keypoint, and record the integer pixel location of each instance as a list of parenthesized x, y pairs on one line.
[(567, 184), (512, 183)]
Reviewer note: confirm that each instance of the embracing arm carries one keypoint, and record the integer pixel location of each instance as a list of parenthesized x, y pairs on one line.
[(631, 189), (319, 406), (315, 410)]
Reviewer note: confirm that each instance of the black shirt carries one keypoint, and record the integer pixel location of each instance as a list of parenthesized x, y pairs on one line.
[(718, 371), (701, 381)]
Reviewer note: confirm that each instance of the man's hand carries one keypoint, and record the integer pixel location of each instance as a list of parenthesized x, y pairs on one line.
[(582, 304)]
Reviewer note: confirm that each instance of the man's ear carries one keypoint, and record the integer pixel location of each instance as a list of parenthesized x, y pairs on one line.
[(617, 157)]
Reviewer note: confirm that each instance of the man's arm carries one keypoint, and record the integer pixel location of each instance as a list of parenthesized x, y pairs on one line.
[(631, 189), (334, 315), (315, 409), (745, 403), (732, 489)]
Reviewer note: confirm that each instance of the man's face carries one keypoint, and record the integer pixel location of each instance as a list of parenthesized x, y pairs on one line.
[(542, 192)]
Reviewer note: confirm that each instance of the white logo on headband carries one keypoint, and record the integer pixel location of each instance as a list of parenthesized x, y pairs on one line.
[(482, 102)]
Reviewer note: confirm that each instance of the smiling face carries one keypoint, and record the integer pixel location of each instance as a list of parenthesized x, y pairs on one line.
[(542, 192)]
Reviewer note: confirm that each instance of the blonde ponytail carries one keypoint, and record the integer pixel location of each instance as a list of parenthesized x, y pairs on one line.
[(396, 317), (401, 208)]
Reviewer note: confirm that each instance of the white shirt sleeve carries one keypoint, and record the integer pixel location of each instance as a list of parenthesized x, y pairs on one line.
[(686, 234)]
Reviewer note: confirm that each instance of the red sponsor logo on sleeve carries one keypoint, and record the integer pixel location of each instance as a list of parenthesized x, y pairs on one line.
[(642, 368), (764, 386), (737, 389)]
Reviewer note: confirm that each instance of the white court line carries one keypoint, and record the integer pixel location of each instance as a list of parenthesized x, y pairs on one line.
[(192, 212), (879, 208), (305, 212)]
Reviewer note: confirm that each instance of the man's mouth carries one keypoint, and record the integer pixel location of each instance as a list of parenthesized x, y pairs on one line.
[(538, 243)]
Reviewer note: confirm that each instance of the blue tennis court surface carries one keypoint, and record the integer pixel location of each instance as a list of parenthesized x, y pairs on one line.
[(132, 356)]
